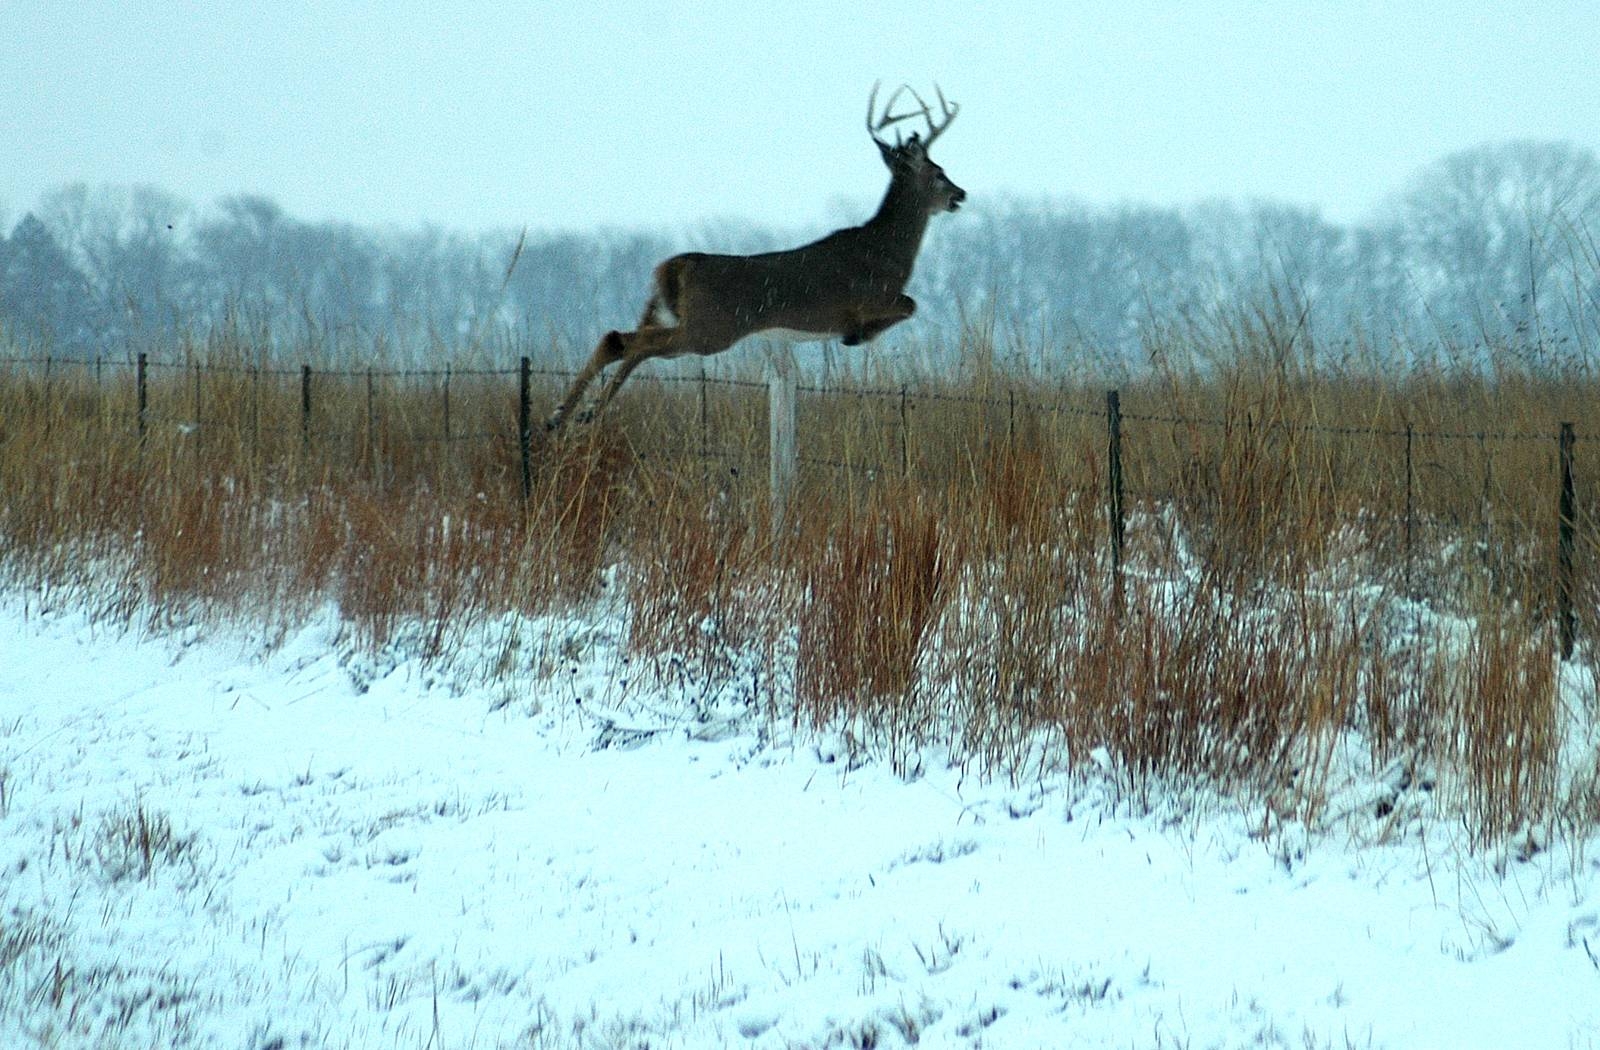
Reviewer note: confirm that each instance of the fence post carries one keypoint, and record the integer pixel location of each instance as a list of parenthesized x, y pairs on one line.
[(48, 414), (1410, 513), (782, 388), (141, 381), (305, 407), (372, 427), (1564, 545), (525, 423), (447, 402), (905, 435), (1114, 472), (705, 424)]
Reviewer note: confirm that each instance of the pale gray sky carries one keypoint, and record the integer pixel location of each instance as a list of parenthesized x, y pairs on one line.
[(631, 112)]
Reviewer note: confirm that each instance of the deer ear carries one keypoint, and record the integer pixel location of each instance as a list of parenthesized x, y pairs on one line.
[(886, 151)]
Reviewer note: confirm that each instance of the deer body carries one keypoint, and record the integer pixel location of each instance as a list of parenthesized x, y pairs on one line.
[(849, 285)]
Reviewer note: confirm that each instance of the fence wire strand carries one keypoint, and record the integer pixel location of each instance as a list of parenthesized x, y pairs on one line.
[(911, 394)]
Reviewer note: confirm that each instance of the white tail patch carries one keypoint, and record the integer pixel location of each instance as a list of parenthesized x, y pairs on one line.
[(662, 314)]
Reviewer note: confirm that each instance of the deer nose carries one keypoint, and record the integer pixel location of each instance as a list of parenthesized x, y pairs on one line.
[(957, 196)]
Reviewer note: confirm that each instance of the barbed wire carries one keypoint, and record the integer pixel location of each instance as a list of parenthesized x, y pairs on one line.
[(909, 394)]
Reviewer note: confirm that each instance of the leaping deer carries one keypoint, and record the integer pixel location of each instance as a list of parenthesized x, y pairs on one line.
[(849, 285)]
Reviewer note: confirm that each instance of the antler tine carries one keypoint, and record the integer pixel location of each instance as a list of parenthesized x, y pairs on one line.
[(889, 118), (950, 110)]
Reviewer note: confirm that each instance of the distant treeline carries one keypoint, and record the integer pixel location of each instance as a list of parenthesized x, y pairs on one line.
[(1496, 249)]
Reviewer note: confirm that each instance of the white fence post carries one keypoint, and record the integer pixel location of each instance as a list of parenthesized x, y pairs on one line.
[(782, 386)]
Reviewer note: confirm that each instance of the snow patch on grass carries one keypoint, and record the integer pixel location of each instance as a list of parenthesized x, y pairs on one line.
[(208, 841)]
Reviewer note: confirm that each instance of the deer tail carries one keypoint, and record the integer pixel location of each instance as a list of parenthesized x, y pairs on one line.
[(662, 309)]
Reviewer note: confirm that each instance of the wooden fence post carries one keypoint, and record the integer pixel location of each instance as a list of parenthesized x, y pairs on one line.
[(525, 423), (782, 389), (1116, 520), (1564, 545)]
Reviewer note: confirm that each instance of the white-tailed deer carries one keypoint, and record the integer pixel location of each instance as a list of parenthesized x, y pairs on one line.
[(850, 285)]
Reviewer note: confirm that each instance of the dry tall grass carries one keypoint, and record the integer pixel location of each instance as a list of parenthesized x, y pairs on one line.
[(1311, 552)]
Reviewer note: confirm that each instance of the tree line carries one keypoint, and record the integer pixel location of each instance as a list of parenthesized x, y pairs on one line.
[(1494, 249)]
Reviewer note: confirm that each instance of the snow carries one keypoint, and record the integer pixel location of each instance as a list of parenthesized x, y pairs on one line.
[(367, 853)]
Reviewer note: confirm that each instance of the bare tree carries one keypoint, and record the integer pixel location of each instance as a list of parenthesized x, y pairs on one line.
[(1487, 227)]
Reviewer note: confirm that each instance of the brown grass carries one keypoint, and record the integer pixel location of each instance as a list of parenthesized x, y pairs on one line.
[(874, 586), (944, 579)]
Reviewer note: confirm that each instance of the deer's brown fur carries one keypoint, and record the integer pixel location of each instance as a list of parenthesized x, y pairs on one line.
[(849, 285)]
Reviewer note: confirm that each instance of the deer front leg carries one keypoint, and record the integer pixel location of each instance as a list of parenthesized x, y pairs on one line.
[(607, 352), (869, 329)]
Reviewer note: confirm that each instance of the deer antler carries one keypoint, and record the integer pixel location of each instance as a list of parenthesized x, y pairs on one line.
[(890, 118), (950, 109)]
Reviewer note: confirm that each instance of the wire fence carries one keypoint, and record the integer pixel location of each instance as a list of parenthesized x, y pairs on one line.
[(105, 370), (1136, 457)]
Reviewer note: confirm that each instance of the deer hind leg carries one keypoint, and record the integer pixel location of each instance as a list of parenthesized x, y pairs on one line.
[(870, 328), (609, 351), (637, 348)]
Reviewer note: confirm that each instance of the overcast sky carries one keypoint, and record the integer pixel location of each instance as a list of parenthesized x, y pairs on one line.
[(552, 114)]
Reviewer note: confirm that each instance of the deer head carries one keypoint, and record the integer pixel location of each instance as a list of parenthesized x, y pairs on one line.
[(907, 158)]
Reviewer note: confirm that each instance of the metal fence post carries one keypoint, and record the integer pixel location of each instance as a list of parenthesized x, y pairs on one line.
[(1115, 516), (447, 402), (1564, 545), (705, 424), (525, 423), (1410, 548), (142, 383), (48, 413), (372, 427), (305, 407), (255, 407), (905, 435)]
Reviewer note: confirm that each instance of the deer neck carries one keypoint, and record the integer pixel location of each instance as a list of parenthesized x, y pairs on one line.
[(899, 224)]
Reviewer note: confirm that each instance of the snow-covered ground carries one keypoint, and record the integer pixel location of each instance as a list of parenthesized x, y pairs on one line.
[(208, 842)]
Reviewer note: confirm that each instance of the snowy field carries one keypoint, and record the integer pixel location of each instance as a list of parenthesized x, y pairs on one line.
[(205, 842)]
